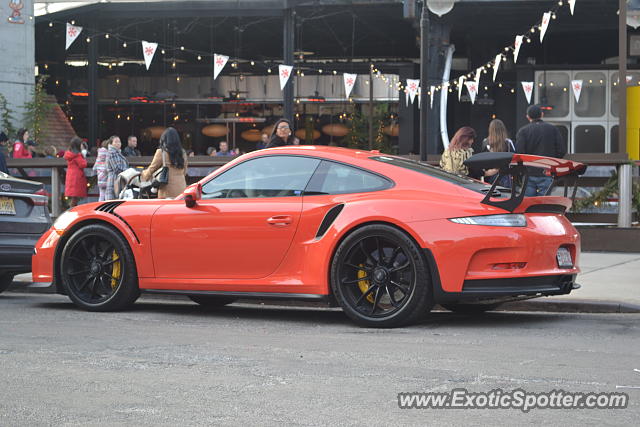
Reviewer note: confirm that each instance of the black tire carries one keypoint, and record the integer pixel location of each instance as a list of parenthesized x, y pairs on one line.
[(6, 279), (212, 301), (471, 308), (98, 270), (380, 277)]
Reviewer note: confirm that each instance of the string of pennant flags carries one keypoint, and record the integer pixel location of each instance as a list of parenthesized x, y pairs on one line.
[(412, 88)]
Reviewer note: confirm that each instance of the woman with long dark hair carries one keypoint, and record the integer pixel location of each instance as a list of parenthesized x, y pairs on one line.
[(171, 154), (20, 149), (75, 183), (282, 134), (497, 141)]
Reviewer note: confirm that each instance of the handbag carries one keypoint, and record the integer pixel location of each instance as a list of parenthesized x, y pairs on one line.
[(161, 176)]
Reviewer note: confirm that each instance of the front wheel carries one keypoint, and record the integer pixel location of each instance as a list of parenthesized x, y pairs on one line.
[(6, 279), (380, 277), (98, 270)]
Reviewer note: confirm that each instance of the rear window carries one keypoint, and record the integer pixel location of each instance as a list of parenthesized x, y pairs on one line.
[(425, 169)]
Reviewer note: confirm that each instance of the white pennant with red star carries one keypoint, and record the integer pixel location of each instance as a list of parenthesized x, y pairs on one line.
[(72, 34), (412, 88), (517, 44), (546, 17), (576, 85), (527, 87), (572, 4), (148, 50), (284, 73), (219, 61), (349, 83), (496, 65), (472, 87), (460, 85), (432, 95)]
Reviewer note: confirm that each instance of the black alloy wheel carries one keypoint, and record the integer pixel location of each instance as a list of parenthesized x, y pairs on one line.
[(380, 277), (98, 269), (212, 301)]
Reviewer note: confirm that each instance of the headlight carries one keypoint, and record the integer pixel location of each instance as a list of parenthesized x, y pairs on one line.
[(62, 222), (506, 220)]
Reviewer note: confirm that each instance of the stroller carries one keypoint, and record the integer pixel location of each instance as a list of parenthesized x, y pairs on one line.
[(129, 186)]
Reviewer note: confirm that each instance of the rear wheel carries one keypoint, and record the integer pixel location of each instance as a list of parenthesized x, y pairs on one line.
[(380, 278), (211, 301), (98, 270), (470, 308), (6, 279)]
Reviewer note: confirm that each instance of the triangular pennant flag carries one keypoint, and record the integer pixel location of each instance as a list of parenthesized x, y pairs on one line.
[(433, 95), (546, 17), (528, 90), (629, 79), (516, 50), (472, 87), (577, 89), (219, 61), (419, 95), (412, 87), (496, 65), (572, 5), (477, 76), (406, 96), (148, 50), (284, 73), (72, 34), (349, 83), (461, 80)]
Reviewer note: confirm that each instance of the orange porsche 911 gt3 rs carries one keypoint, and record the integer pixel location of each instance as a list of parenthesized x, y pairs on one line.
[(384, 237)]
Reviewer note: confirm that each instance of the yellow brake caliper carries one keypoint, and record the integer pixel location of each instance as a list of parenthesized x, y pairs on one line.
[(115, 269), (364, 284)]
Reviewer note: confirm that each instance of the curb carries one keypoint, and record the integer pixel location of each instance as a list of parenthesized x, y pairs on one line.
[(549, 306)]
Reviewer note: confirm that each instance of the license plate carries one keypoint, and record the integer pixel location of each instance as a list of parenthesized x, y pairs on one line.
[(6, 206), (564, 258)]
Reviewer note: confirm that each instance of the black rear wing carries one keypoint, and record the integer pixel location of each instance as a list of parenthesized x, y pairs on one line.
[(515, 165)]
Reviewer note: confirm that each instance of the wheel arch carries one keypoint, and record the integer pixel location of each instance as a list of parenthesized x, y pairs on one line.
[(70, 232)]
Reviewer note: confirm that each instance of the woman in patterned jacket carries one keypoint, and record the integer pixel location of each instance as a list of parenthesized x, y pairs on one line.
[(116, 163)]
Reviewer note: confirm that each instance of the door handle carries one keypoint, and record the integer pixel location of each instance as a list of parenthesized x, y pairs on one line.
[(280, 220)]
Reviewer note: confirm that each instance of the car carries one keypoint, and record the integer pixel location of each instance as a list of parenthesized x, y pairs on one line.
[(383, 237), (24, 217)]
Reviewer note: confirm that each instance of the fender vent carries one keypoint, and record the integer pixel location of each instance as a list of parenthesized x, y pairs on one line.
[(109, 207), (329, 218)]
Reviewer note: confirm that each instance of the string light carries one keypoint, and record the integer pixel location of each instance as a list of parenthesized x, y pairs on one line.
[(106, 36), (73, 22), (118, 81), (162, 51), (88, 40), (269, 70), (199, 58), (181, 47), (124, 44), (50, 24), (320, 71), (253, 63)]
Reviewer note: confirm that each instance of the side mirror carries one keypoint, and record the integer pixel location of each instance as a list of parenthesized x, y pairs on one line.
[(192, 194)]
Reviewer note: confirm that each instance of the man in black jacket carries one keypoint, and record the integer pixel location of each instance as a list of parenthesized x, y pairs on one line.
[(541, 139)]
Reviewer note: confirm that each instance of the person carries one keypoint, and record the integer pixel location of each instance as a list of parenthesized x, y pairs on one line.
[(175, 158), (541, 139), (211, 151), (282, 134), (75, 183), (3, 162), (191, 153), (497, 141), (50, 152), (458, 151), (131, 150), (224, 149), (20, 149), (264, 141), (116, 163), (100, 169)]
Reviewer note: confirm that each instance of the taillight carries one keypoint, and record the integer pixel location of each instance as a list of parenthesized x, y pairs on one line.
[(38, 201)]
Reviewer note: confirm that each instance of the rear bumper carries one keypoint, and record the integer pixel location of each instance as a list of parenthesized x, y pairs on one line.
[(16, 251)]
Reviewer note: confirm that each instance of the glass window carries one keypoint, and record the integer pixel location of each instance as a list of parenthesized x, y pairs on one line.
[(337, 178), (632, 79), (589, 139), (553, 91), (614, 139), (593, 94), (272, 176)]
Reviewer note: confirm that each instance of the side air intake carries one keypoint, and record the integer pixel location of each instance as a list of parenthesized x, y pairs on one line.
[(329, 218), (109, 207)]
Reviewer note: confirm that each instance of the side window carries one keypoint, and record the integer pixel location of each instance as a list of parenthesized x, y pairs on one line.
[(336, 178), (273, 176)]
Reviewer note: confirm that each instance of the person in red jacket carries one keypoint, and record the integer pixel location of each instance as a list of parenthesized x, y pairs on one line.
[(20, 149), (75, 184)]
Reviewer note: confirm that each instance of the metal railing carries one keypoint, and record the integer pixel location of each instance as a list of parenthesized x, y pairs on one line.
[(50, 171)]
